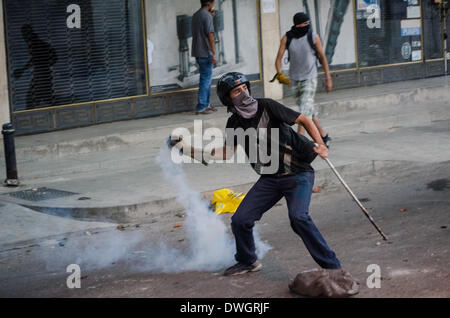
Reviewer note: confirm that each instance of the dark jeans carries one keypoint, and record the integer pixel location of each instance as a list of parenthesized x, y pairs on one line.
[(266, 192), (204, 87)]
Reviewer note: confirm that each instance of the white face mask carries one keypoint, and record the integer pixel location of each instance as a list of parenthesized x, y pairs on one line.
[(246, 106)]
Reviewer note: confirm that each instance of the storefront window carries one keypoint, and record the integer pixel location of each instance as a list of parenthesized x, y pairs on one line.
[(67, 52), (448, 31), (332, 21), (169, 39), (389, 31), (432, 33)]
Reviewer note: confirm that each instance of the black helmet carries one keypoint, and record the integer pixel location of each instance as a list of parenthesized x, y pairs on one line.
[(226, 83)]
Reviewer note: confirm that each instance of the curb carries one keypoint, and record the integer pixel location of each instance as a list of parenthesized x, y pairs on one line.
[(149, 210), (416, 96)]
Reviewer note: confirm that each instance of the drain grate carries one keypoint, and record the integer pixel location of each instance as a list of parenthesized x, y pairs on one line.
[(40, 194)]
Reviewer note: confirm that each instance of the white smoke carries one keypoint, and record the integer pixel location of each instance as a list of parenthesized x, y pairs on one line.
[(210, 246)]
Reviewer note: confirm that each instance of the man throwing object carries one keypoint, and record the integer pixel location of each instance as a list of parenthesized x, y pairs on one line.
[(293, 177)]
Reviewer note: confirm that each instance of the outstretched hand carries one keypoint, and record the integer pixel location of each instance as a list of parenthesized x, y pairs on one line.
[(175, 142)]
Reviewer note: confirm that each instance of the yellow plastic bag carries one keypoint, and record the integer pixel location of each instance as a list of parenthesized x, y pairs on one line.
[(226, 201)]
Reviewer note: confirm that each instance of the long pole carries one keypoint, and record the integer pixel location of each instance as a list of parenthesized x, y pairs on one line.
[(236, 32), (12, 179), (355, 198)]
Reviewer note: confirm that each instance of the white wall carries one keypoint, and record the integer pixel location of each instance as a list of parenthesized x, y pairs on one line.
[(270, 33)]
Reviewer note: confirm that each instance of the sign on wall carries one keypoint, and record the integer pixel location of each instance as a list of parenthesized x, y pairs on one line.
[(268, 6), (410, 27)]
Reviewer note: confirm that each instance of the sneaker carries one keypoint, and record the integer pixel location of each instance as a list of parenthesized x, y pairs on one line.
[(326, 140), (212, 108), (239, 269), (207, 111)]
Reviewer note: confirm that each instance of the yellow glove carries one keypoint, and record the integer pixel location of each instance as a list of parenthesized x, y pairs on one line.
[(282, 79)]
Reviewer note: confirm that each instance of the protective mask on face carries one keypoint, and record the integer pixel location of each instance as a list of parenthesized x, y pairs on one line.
[(299, 32), (246, 106)]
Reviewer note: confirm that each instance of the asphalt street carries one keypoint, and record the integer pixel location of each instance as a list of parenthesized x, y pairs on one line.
[(410, 204)]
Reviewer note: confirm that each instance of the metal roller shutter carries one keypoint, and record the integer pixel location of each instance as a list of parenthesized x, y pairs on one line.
[(53, 63)]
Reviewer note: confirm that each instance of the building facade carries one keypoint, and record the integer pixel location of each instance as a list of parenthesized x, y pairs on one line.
[(73, 63), (371, 42)]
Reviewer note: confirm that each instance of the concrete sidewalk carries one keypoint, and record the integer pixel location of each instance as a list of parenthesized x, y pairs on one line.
[(112, 172), (359, 106)]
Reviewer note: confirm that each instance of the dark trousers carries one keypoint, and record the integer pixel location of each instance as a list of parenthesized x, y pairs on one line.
[(266, 192)]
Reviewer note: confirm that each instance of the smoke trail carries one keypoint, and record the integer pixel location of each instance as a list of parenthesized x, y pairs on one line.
[(210, 246)]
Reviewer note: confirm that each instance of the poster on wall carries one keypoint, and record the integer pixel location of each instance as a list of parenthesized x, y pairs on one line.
[(362, 6), (171, 65), (268, 6), (332, 21), (410, 27)]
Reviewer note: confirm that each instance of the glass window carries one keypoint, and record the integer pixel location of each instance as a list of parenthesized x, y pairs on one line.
[(389, 31), (432, 32), (66, 52), (172, 66), (448, 30), (332, 21)]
